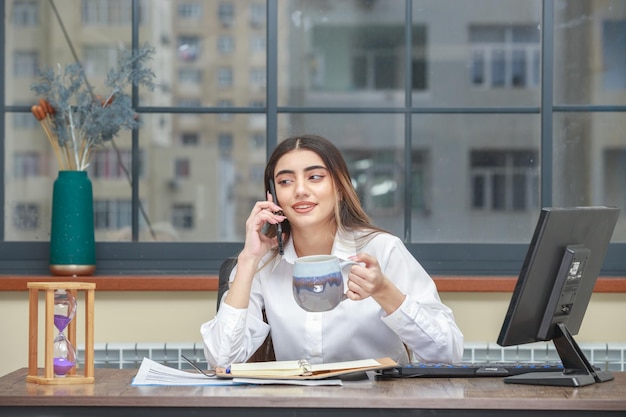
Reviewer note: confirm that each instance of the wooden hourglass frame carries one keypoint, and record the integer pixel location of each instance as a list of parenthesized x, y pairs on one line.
[(48, 372)]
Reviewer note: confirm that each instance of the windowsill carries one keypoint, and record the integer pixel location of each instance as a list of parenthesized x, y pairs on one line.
[(210, 283)]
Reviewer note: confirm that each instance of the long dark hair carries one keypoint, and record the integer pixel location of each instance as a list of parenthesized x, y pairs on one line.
[(349, 215)]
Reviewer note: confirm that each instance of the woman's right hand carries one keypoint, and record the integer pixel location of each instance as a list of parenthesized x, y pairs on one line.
[(256, 243)]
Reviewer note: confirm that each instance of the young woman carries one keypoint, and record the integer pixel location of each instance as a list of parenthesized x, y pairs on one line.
[(393, 306)]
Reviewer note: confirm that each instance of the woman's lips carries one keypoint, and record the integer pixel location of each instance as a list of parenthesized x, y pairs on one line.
[(304, 207)]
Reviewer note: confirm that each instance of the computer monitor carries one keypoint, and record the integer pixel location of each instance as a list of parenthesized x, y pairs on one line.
[(554, 287)]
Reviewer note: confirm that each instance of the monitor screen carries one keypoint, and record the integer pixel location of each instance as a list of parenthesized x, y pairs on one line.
[(554, 287)]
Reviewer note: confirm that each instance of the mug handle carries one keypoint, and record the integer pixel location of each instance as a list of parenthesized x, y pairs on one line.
[(343, 263)]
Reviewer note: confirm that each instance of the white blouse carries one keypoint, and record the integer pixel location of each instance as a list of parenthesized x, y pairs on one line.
[(353, 330)]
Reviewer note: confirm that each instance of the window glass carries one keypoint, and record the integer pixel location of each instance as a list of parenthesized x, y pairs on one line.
[(590, 162), (481, 177), (589, 56), (458, 160)]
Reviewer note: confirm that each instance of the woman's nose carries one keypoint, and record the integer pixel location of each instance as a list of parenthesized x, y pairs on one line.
[(301, 189)]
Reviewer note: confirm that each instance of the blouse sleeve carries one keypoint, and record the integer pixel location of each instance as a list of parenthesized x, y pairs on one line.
[(233, 335), (423, 322)]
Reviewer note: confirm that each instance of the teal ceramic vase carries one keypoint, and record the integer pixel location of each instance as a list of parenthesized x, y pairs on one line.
[(72, 241)]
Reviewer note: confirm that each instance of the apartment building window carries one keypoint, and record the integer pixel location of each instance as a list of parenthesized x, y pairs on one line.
[(183, 216), (224, 77), (189, 139), (257, 78), (26, 216), (225, 144), (225, 44), (375, 57), (25, 13), (614, 54), (182, 168), (112, 214), (226, 13), (106, 12), (108, 164), (188, 47), (377, 179), (189, 10), (190, 75), (504, 180), (257, 44), (25, 63), (29, 164), (257, 15), (505, 56)]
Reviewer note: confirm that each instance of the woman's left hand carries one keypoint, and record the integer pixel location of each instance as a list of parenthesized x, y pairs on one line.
[(366, 279)]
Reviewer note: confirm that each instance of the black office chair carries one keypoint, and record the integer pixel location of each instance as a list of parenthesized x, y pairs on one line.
[(265, 352)]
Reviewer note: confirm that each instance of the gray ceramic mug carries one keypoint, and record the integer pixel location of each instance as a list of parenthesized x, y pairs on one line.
[(318, 282)]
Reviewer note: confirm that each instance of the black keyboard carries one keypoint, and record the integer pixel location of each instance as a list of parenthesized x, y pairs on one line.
[(465, 370)]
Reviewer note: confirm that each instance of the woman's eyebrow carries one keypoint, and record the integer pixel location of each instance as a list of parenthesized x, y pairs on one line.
[(307, 169)]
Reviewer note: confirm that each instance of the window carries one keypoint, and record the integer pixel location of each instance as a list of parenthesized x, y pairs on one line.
[(226, 13), (25, 13), (614, 54), (443, 119), (189, 10), (505, 57), (225, 44), (29, 164), (188, 48), (504, 180), (182, 168), (25, 63), (377, 177), (257, 77), (113, 214), (257, 44), (189, 139), (182, 216), (224, 77), (374, 58), (257, 15), (107, 164), (225, 143), (106, 12), (26, 216), (190, 75)]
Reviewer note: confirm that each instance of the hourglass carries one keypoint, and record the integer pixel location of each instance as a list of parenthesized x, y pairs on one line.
[(64, 356), (61, 312)]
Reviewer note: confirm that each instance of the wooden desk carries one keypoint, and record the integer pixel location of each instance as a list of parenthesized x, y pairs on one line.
[(112, 394)]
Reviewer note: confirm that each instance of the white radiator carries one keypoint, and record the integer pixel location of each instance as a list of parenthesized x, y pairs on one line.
[(606, 356)]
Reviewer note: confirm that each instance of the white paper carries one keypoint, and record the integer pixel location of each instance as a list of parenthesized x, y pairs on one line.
[(154, 373)]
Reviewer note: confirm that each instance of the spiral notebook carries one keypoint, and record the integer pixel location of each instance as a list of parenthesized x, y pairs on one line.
[(301, 369)]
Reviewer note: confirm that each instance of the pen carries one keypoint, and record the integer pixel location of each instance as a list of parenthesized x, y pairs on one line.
[(279, 228)]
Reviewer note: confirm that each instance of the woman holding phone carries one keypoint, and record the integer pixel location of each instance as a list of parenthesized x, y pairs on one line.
[(393, 308)]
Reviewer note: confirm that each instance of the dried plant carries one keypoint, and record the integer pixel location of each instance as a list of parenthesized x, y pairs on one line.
[(75, 120)]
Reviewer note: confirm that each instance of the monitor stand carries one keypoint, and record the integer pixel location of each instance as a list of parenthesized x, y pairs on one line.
[(577, 371)]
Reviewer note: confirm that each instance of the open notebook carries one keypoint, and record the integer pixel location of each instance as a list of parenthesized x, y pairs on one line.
[(301, 369)]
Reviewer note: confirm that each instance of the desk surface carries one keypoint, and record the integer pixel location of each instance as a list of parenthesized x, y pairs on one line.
[(431, 396)]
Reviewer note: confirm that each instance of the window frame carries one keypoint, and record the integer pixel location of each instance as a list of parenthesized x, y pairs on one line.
[(200, 258)]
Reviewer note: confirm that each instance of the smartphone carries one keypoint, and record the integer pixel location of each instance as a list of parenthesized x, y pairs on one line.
[(279, 228)]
